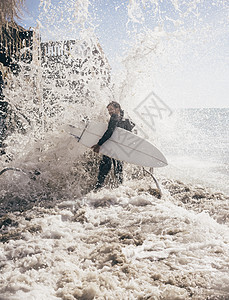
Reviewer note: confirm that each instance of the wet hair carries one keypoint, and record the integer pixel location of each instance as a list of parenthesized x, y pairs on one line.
[(116, 105)]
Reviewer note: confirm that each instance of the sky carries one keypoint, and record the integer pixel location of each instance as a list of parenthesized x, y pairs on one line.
[(191, 69)]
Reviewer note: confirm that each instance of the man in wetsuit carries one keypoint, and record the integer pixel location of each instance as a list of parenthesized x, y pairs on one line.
[(116, 120)]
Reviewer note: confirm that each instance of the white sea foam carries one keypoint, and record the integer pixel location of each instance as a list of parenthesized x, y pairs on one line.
[(146, 247)]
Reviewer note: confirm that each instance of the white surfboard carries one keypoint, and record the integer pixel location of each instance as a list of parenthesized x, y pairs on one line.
[(122, 145)]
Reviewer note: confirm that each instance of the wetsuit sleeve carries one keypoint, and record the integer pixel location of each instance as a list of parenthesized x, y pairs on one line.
[(111, 127)]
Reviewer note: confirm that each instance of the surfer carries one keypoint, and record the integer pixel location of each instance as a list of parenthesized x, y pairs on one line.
[(116, 120)]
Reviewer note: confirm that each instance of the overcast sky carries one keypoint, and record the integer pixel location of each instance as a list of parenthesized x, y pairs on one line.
[(195, 58)]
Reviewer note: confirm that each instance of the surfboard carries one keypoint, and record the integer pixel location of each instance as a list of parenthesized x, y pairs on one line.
[(122, 145)]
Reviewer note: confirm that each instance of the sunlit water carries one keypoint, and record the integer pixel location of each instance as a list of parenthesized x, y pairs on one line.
[(59, 240), (196, 144)]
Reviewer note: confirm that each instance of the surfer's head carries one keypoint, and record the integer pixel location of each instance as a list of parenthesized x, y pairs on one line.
[(114, 108)]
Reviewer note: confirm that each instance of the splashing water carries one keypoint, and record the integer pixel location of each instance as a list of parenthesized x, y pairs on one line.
[(69, 78), (67, 81), (64, 242)]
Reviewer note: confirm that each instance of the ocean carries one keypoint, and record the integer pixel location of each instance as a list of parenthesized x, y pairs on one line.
[(197, 146)]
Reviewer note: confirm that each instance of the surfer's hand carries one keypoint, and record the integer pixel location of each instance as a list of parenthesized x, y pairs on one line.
[(96, 148)]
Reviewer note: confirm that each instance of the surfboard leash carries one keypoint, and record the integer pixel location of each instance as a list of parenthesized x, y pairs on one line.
[(155, 180)]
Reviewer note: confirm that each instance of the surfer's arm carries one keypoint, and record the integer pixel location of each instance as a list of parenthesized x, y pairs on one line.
[(111, 127), (108, 133)]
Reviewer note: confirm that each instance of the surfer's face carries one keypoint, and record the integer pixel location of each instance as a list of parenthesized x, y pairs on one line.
[(112, 110)]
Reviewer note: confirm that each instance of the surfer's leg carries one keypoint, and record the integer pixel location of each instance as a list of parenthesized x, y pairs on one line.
[(104, 168), (118, 170)]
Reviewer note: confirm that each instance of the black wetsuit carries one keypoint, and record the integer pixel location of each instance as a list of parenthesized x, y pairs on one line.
[(106, 162)]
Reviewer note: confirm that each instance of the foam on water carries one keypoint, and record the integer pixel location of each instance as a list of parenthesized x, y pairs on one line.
[(119, 244)]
